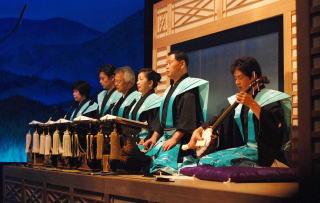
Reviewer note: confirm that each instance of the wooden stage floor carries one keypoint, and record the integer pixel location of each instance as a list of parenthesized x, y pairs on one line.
[(24, 184)]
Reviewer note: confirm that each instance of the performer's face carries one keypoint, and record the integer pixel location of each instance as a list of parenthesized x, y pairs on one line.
[(144, 85), (120, 84), (106, 81), (174, 67), (241, 80), (77, 96)]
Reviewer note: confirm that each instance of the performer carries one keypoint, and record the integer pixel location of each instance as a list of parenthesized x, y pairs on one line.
[(109, 96), (86, 107), (147, 107), (125, 84), (183, 108), (254, 133)]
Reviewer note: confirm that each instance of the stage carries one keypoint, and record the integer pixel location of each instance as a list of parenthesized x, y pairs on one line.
[(24, 184)]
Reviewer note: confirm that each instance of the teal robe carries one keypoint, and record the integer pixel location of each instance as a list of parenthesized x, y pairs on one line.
[(151, 102), (125, 103), (168, 160), (89, 107), (255, 145), (112, 99)]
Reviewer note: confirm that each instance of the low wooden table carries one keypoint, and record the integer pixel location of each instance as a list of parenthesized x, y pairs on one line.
[(23, 184)]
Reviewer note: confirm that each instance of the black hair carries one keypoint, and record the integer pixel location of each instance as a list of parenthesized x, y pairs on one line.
[(83, 87), (107, 69), (180, 56), (151, 75), (247, 65)]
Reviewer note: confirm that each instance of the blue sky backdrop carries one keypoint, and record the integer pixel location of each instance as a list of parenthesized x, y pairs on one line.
[(98, 14)]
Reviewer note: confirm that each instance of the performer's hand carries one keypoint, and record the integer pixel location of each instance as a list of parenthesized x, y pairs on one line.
[(247, 100), (169, 144), (148, 144), (196, 135), (141, 142)]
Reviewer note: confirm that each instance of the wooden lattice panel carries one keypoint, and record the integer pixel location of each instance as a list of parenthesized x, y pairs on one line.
[(79, 199), (34, 194), (294, 70), (161, 22), (85, 196), (55, 196), (12, 192), (294, 90), (233, 7), (160, 67), (187, 14)]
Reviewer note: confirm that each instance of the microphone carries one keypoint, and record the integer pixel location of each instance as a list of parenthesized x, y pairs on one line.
[(71, 107), (54, 113)]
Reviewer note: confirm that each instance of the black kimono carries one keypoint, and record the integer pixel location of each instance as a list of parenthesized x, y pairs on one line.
[(126, 111), (148, 115), (187, 113), (180, 111), (271, 133)]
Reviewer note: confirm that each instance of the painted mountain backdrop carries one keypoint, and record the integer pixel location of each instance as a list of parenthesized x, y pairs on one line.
[(39, 63), (55, 49)]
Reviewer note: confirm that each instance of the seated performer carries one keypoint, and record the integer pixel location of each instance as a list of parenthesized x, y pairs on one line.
[(255, 131), (182, 110), (125, 84), (86, 107), (109, 96), (147, 107)]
